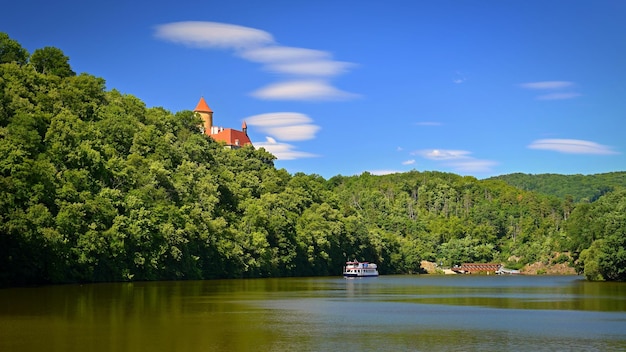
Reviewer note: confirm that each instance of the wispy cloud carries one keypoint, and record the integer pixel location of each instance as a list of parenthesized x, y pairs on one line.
[(287, 126), (472, 165), (459, 160), (572, 146), (311, 68), (283, 151), (312, 90), (274, 53), (442, 154), (408, 162), (558, 96), (547, 85), (561, 90), (428, 123), (384, 172), (459, 77), (297, 61), (213, 35), (297, 65)]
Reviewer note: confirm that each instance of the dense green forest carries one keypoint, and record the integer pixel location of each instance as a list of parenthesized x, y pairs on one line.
[(580, 188), (95, 186)]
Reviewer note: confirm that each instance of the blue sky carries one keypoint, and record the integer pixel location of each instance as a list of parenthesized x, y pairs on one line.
[(478, 88)]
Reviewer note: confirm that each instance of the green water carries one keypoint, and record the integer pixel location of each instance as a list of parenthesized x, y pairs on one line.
[(388, 313)]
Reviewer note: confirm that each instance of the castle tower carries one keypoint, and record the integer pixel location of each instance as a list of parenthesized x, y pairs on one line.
[(206, 113), (231, 138)]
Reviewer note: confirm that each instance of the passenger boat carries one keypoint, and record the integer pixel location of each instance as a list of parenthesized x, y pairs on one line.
[(360, 269)]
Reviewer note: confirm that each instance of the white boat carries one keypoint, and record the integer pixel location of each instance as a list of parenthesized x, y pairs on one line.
[(360, 269), (503, 271)]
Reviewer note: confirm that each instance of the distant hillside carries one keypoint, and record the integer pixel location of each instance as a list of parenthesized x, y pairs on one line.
[(579, 187)]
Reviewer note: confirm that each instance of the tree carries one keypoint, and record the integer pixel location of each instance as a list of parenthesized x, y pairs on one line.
[(11, 51), (613, 258), (599, 229), (51, 61), (318, 230)]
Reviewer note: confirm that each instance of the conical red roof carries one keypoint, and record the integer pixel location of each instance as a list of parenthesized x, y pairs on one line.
[(202, 106)]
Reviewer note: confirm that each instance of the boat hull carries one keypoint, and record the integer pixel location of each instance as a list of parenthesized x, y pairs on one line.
[(350, 275)]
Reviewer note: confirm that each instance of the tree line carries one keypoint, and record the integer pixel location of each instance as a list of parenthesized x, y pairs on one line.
[(577, 188), (95, 186)]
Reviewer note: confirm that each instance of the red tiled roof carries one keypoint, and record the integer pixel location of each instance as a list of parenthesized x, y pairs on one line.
[(231, 136), (202, 106)]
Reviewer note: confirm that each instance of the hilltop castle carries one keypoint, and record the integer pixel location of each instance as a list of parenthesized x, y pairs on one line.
[(233, 138)]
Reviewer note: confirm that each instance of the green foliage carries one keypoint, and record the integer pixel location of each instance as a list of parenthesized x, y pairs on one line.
[(562, 258), (598, 233), (11, 51), (579, 188), (52, 61)]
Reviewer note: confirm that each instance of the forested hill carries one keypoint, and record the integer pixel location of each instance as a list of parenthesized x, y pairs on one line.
[(586, 188), (95, 186)]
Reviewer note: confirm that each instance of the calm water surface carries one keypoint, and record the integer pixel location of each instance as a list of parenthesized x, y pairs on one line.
[(388, 313)]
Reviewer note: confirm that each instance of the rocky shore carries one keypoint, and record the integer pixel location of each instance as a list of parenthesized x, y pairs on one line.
[(537, 268)]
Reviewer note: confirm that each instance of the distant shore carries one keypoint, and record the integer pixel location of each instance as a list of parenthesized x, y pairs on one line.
[(537, 268)]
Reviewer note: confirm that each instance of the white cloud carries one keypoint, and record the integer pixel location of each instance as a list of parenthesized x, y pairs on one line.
[(472, 165), (311, 68), (428, 123), (547, 85), (572, 146), (278, 119), (302, 90), (213, 35), (459, 160), (558, 96), (408, 162), (296, 61), (276, 53), (383, 172), (556, 86), (459, 78), (288, 126), (259, 46), (282, 151), (293, 133), (442, 154)]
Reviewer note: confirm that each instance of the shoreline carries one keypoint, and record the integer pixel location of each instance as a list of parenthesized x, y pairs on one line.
[(537, 268)]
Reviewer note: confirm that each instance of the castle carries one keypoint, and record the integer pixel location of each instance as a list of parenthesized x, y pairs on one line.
[(233, 138)]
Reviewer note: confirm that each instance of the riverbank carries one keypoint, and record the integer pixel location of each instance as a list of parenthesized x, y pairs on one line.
[(540, 268), (537, 268)]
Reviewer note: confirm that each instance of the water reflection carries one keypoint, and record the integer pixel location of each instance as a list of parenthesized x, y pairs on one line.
[(388, 313)]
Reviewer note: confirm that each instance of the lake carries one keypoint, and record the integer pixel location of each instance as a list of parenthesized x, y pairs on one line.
[(388, 313)]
